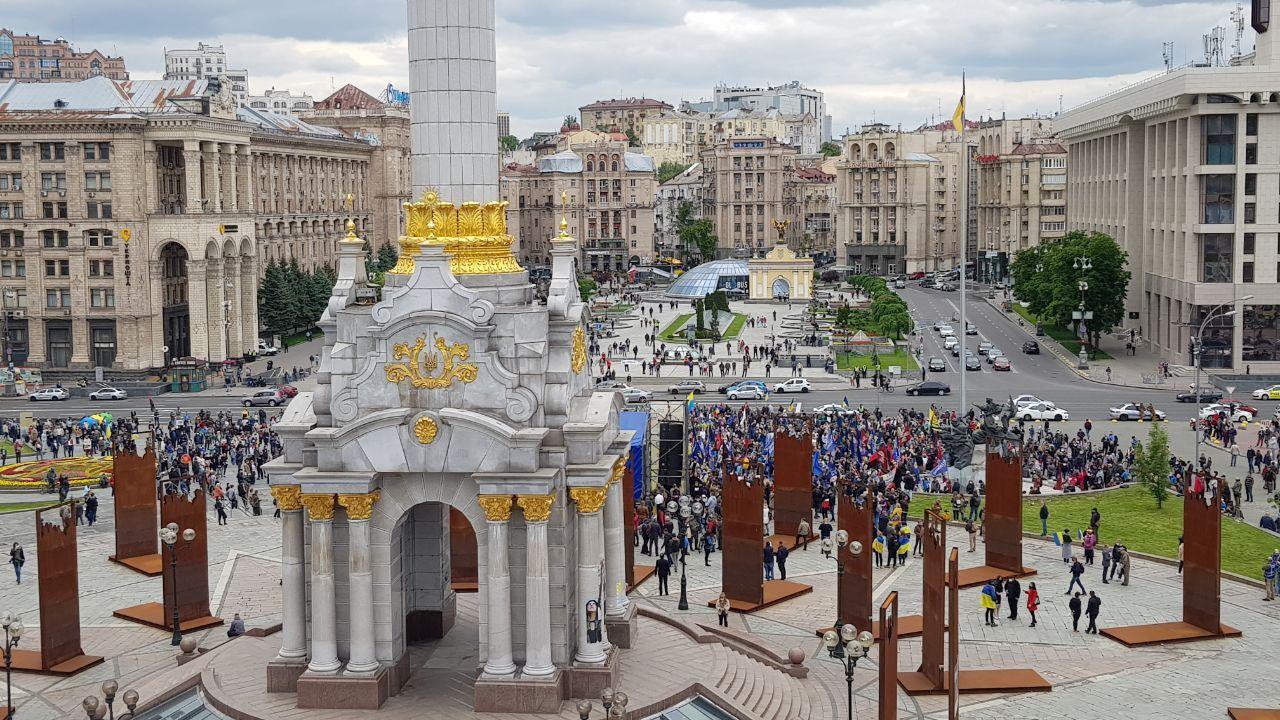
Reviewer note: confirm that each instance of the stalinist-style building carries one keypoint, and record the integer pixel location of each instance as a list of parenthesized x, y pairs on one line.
[(454, 390)]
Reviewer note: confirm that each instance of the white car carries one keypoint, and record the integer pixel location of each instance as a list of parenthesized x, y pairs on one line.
[(950, 342), (946, 331), (833, 409), (266, 348), (1266, 393), (1041, 411), (1131, 411), (1235, 412), (636, 395), (106, 392), (799, 385), (746, 392), (1021, 400), (53, 393)]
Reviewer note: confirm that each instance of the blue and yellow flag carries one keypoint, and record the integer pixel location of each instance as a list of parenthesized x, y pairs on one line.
[(957, 119)]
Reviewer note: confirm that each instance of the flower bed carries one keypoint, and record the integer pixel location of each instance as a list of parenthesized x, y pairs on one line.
[(31, 475)]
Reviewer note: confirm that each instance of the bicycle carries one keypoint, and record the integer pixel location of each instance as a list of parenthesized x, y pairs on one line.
[(886, 388)]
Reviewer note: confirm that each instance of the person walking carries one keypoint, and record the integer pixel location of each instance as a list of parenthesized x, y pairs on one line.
[(722, 610), (768, 561), (1270, 568), (1044, 519), (1074, 604), (781, 554), (1013, 589), (803, 532), (1066, 545), (1106, 563), (91, 509), (1076, 571), (1095, 520), (664, 571), (973, 535), (18, 558), (1033, 601), (221, 510), (1125, 561), (1117, 552), (987, 600), (1095, 604)]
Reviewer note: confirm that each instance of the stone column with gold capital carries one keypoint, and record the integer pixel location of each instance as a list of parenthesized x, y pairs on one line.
[(497, 511), (537, 598), (360, 581), (615, 554), (593, 645), (324, 630), (293, 646)]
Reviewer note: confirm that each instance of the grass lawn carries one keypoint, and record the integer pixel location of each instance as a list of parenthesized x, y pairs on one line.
[(901, 358), (674, 331), (1065, 336), (6, 508), (1130, 514), (618, 309), (298, 338)]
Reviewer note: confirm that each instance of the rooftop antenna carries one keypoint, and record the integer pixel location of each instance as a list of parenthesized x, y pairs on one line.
[(1237, 17), (1059, 103), (1167, 52), (1213, 46)]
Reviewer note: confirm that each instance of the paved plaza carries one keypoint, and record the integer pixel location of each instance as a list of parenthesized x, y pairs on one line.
[(1093, 677)]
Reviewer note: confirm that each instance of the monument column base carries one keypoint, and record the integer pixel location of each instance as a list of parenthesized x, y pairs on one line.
[(623, 630), (283, 674), (344, 691), (521, 694), (586, 680)]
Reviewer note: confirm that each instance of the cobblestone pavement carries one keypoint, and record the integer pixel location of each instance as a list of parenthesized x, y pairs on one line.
[(1093, 677)]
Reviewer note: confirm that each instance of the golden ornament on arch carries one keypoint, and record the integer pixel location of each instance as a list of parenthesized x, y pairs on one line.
[(425, 430), (473, 235)]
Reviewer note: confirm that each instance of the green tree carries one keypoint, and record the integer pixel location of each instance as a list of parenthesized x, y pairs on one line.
[(570, 121), (587, 288), (699, 307), (697, 235), (632, 139), (670, 169), (1151, 464), (388, 256), (1048, 280), (830, 149), (508, 143)]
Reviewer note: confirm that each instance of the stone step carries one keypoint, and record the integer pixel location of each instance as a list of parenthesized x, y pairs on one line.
[(752, 687), (763, 694)]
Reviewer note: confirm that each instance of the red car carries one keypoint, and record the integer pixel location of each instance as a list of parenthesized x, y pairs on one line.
[(917, 275), (288, 391), (1000, 364)]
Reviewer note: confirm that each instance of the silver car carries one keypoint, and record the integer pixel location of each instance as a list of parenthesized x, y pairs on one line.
[(106, 392), (272, 398), (636, 395)]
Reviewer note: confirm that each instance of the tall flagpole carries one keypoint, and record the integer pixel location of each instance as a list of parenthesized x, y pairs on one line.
[(964, 244)]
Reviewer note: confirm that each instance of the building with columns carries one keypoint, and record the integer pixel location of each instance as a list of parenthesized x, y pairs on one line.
[(138, 216), (457, 390)]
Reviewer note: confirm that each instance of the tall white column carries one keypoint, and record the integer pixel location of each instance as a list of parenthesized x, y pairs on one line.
[(537, 592), (615, 555), (324, 616), (497, 511), (593, 645), (293, 646), (359, 508)]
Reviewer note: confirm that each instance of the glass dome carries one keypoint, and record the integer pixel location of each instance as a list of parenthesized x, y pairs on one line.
[(709, 277)]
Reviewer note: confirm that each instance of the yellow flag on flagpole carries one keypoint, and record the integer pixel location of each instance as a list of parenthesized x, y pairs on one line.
[(957, 120)]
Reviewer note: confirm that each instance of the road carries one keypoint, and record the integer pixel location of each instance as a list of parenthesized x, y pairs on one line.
[(79, 407)]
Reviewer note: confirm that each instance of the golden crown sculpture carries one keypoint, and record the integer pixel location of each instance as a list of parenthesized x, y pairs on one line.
[(474, 236)]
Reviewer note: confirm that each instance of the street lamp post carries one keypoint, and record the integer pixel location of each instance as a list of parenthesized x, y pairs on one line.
[(848, 646), (1083, 265), (13, 629), (95, 709), (169, 539)]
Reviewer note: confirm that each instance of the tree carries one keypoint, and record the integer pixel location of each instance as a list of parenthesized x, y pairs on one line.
[(831, 149), (633, 139), (508, 143), (388, 256), (273, 301), (697, 235), (587, 288), (1151, 464), (570, 121), (670, 169), (699, 308)]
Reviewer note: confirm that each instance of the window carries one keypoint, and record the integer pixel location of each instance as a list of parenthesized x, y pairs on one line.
[(58, 343), (99, 238), (1053, 163), (1250, 213), (10, 151), (1219, 139), (51, 181), (103, 336), (53, 238), (57, 268), (57, 297), (53, 210), (1251, 124), (102, 297), (1219, 198), (1246, 274), (6, 45), (18, 299), (1216, 259), (10, 211), (101, 210), (13, 268), (97, 151), (10, 181), (52, 151), (97, 181), (102, 268), (11, 239), (1251, 153), (1250, 242)]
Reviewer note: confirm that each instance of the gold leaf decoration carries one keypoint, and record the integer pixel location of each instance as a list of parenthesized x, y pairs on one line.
[(451, 364), (537, 508), (288, 497), (589, 499), (497, 508), (319, 506), (425, 429), (578, 356), (359, 506)]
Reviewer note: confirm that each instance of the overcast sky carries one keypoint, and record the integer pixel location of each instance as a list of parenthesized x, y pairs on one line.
[(894, 61)]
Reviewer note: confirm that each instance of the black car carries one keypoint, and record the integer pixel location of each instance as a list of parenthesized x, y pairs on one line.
[(1031, 347), (972, 362), (1207, 396), (931, 387)]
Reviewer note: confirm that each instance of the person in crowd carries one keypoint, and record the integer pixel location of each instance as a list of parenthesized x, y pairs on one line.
[(1033, 602)]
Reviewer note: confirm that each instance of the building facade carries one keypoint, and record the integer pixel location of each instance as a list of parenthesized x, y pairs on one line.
[(610, 194), (385, 127), (1022, 188), (283, 102), (30, 59), (817, 191), (898, 201), (626, 115), (685, 188), (206, 61), (1175, 168), (140, 216), (681, 135), (790, 98), (504, 124), (751, 194)]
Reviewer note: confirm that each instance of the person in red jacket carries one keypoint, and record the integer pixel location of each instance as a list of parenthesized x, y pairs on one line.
[(1033, 602)]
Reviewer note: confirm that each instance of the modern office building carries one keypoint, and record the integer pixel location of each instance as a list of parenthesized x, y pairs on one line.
[(206, 61)]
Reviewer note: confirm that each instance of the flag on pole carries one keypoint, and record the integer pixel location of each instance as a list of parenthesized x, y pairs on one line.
[(957, 120), (690, 402)]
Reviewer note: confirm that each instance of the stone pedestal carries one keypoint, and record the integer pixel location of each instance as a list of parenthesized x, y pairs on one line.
[(282, 675), (586, 680), (523, 694), (623, 631), (343, 691)]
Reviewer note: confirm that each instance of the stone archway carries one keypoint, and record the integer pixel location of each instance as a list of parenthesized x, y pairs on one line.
[(781, 288), (175, 293)]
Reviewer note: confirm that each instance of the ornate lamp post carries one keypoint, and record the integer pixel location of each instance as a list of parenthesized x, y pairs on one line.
[(169, 539), (614, 702), (848, 646), (685, 512), (97, 710), (13, 629)]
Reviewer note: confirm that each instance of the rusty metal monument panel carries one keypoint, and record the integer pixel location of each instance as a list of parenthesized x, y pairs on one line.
[(1202, 555), (134, 491), (59, 585), (742, 570), (192, 573), (792, 481), (1003, 518), (953, 635), (889, 657), (933, 603), (856, 585)]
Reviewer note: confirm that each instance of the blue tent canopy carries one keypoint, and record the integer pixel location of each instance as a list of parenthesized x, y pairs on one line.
[(637, 458)]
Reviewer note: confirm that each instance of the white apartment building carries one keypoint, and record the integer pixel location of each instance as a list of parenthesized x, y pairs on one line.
[(1181, 169), (898, 196), (1021, 191), (681, 135), (790, 98), (282, 102), (206, 61), (683, 188)]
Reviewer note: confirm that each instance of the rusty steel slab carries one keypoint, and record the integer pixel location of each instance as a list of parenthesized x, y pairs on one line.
[(792, 482), (742, 556)]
